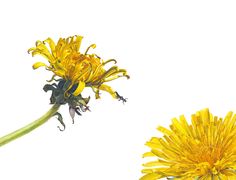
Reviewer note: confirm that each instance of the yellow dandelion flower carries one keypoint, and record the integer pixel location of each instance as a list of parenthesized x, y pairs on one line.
[(204, 149), (79, 69), (72, 72), (75, 71)]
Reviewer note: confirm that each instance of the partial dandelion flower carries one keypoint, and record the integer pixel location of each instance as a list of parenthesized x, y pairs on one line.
[(204, 149), (80, 70), (73, 71)]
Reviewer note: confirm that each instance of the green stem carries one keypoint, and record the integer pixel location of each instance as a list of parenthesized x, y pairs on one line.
[(30, 127)]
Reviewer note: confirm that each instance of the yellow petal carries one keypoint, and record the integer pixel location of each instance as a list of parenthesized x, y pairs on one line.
[(109, 60), (78, 42), (38, 64), (164, 130), (79, 89), (60, 73), (148, 154), (153, 163), (108, 89), (51, 44), (91, 46), (152, 176)]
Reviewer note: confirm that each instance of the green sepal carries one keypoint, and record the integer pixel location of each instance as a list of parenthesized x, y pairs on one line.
[(60, 119)]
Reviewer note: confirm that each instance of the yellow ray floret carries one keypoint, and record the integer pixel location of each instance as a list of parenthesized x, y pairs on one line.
[(86, 70), (204, 149)]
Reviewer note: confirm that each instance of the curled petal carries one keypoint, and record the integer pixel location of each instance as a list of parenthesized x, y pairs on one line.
[(108, 89), (123, 72), (37, 43), (52, 78), (38, 64), (110, 60), (41, 49), (96, 91), (110, 71), (79, 89), (113, 77), (91, 46), (51, 44), (31, 49)]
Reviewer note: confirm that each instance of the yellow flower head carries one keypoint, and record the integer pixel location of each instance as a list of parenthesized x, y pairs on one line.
[(205, 149), (80, 69)]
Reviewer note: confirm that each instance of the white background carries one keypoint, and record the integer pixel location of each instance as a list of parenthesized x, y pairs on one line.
[(181, 56)]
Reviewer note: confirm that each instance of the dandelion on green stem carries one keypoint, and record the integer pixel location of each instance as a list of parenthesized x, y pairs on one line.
[(73, 71)]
